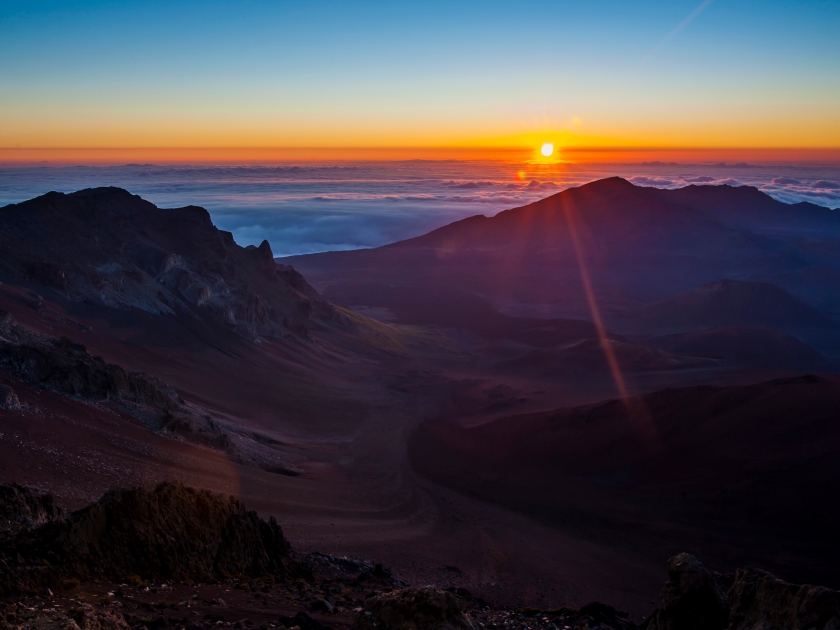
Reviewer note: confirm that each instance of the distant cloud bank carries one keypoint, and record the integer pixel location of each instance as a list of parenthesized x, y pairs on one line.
[(303, 208)]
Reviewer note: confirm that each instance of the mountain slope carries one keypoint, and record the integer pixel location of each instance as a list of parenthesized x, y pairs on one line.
[(732, 303), (749, 208), (742, 472), (608, 250), (746, 346), (610, 212), (109, 247)]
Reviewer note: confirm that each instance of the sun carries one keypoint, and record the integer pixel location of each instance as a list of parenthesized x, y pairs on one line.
[(547, 149)]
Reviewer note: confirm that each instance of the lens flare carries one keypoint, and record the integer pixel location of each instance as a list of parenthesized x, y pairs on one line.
[(547, 149)]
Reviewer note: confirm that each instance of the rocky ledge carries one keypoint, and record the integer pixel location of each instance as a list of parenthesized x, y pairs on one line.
[(170, 533), (67, 368), (175, 557)]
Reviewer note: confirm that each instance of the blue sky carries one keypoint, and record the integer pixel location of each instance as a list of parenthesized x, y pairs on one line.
[(282, 73)]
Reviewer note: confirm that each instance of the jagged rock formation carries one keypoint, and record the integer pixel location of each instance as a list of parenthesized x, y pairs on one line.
[(695, 599), (691, 598), (760, 601), (425, 608), (66, 367), (83, 617), (172, 532), (112, 248), (21, 508)]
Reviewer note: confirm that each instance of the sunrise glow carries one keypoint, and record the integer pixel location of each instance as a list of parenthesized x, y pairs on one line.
[(590, 77)]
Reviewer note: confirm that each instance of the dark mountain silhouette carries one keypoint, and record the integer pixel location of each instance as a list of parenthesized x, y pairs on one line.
[(749, 208), (109, 247), (609, 209), (632, 256)]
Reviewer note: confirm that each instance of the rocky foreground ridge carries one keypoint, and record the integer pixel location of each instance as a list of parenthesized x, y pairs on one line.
[(107, 247), (175, 557)]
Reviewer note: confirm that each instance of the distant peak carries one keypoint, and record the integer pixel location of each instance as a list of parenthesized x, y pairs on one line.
[(611, 182), (102, 191)]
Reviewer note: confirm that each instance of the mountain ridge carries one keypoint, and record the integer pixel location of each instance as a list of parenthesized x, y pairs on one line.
[(116, 249)]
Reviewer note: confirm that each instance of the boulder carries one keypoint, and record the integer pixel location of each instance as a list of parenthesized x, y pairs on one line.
[(425, 608), (760, 601), (22, 507), (691, 598), (171, 532)]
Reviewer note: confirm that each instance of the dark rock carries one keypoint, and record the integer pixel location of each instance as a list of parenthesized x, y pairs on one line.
[(23, 508), (88, 618), (467, 596), (603, 614), (323, 605), (691, 599), (172, 532), (67, 367), (8, 399), (304, 621), (425, 608), (760, 601), (381, 572)]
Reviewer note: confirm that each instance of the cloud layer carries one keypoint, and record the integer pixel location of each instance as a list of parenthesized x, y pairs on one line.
[(311, 208)]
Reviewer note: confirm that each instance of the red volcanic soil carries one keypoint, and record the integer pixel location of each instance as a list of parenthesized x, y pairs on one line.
[(339, 413), (742, 474)]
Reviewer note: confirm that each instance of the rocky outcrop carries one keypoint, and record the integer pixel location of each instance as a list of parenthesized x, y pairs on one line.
[(106, 246), (79, 617), (66, 367), (760, 601), (691, 598), (22, 508), (694, 599), (425, 608), (171, 532)]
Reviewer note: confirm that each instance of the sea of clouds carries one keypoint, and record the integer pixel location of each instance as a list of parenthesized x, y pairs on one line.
[(305, 208)]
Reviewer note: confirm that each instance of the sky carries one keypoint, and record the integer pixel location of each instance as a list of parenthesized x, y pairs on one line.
[(417, 75)]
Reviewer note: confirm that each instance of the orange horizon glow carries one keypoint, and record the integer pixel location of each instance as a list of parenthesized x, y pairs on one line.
[(530, 154)]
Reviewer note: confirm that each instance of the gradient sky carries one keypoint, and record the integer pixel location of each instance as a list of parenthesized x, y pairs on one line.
[(721, 73)]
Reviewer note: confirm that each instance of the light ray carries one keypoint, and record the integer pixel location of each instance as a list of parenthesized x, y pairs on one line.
[(609, 353)]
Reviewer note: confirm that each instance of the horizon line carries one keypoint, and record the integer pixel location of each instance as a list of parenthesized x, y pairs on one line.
[(577, 154)]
